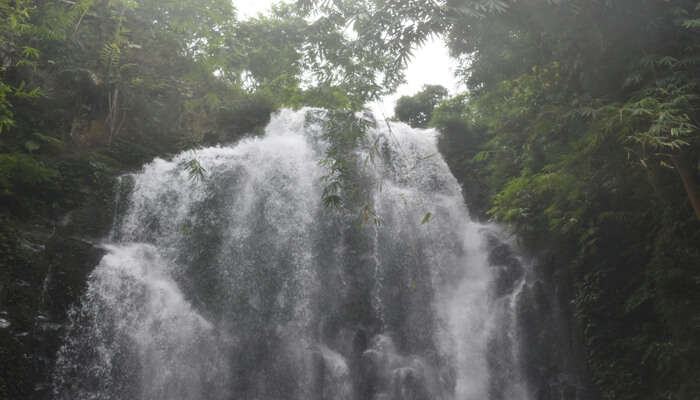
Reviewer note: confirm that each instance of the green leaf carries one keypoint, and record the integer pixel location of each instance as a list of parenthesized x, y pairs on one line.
[(426, 219), (332, 201), (31, 146), (47, 139), (194, 169), (691, 23), (481, 156), (30, 52)]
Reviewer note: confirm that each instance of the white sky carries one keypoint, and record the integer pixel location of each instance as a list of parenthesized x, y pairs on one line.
[(431, 64), (250, 8)]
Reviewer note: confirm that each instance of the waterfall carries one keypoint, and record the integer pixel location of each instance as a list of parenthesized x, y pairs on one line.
[(243, 285)]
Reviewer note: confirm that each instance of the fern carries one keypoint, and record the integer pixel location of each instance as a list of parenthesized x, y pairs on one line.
[(195, 171), (691, 23), (110, 56)]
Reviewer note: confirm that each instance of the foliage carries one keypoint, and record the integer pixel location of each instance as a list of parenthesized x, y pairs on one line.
[(579, 129), (363, 44), (91, 89), (195, 170), (417, 110), (582, 148), (20, 173), (580, 125), (346, 135)]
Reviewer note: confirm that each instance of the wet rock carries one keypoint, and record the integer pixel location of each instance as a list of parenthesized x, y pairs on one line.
[(409, 384), (47, 275), (71, 262), (331, 375), (392, 376), (44, 324), (507, 267)]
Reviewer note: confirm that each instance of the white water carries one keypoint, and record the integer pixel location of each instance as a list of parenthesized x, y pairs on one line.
[(245, 286)]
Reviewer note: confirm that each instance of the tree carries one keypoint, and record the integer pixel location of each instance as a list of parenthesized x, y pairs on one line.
[(417, 110), (581, 118)]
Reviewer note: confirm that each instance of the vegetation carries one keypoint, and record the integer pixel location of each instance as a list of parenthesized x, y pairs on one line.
[(578, 130), (91, 89), (418, 110)]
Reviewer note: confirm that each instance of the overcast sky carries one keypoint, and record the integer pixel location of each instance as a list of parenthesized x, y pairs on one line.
[(431, 64)]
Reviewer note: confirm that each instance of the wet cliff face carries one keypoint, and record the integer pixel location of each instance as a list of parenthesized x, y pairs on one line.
[(552, 352), (244, 285), (44, 265), (550, 341)]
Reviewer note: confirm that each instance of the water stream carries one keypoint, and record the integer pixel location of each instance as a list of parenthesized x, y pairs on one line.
[(245, 286)]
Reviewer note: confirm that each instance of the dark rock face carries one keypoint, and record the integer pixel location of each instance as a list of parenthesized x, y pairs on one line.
[(373, 296), (44, 272), (550, 353), (509, 269), (246, 281), (509, 280), (553, 352)]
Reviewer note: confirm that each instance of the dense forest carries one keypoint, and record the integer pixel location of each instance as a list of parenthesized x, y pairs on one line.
[(577, 128)]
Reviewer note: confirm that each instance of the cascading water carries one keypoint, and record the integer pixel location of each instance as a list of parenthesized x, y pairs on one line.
[(245, 286)]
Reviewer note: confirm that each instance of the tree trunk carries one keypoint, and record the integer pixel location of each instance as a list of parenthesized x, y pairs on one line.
[(688, 175), (112, 115)]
